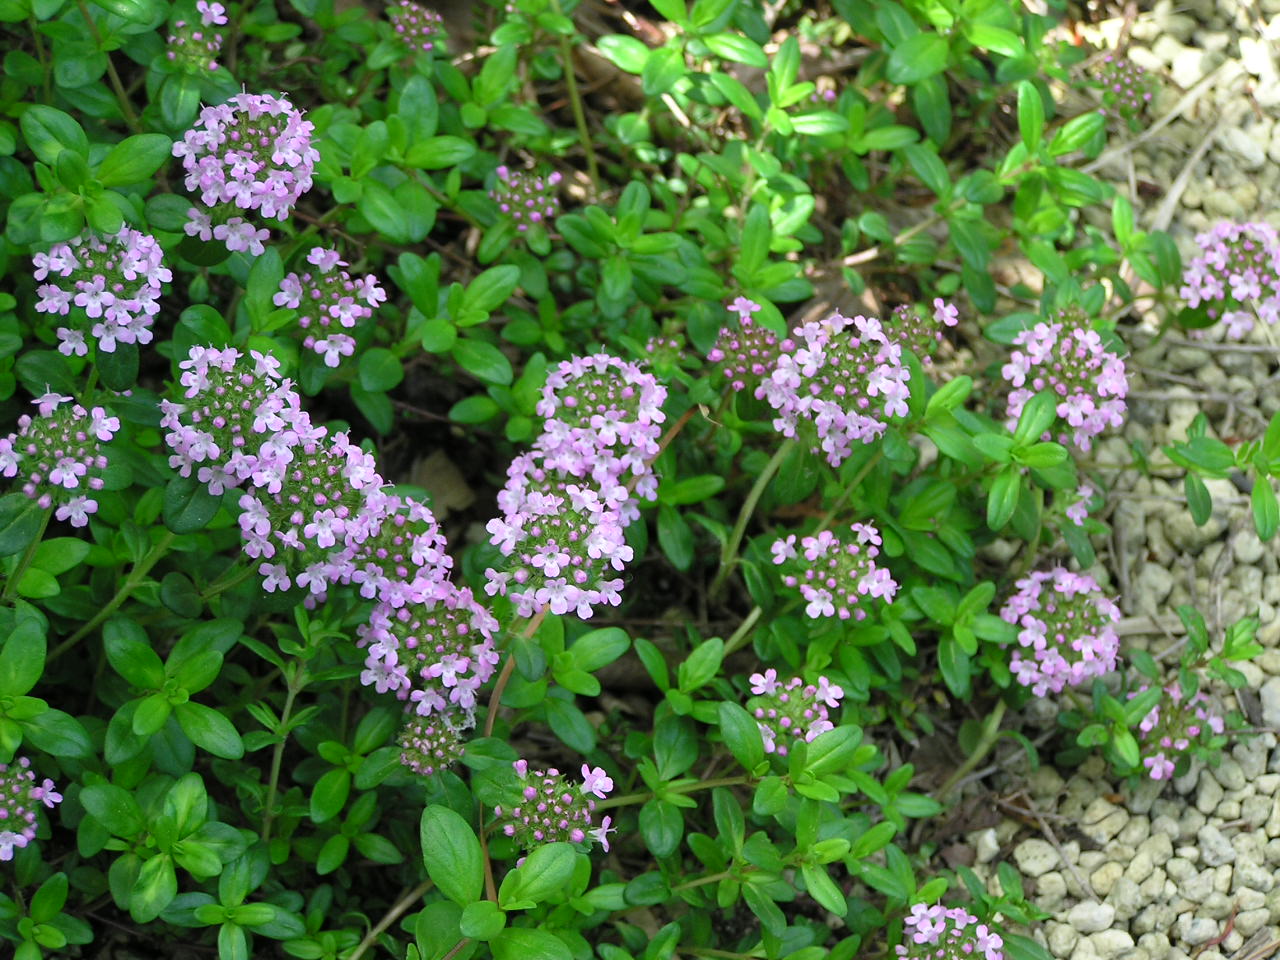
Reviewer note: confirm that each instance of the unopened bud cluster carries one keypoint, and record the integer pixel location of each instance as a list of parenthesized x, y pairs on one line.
[(58, 453), (920, 334), (194, 47), (1175, 725), (107, 285), (415, 24), (745, 353), (527, 198), (1068, 358), (429, 745), (1127, 89)]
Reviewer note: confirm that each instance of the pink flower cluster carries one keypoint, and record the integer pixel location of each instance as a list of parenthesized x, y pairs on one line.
[(252, 153), (549, 810), (920, 334), (938, 933), (1067, 630), (416, 25), (566, 505), (791, 710), (1068, 358), (327, 300), (844, 377), (435, 653), (745, 354), (429, 746), (1237, 275), (837, 576), (1126, 87), (194, 47), (20, 799), (1172, 727), (526, 197), (1078, 512), (315, 511), (59, 454), (114, 281)]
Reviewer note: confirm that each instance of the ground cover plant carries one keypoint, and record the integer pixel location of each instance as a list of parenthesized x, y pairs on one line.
[(768, 477)]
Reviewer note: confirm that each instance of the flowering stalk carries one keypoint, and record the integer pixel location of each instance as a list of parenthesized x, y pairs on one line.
[(575, 101), (729, 555)]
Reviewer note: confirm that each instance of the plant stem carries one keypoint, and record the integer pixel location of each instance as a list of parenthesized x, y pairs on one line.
[(739, 637), (849, 487), (990, 733), (631, 799), (135, 578), (575, 101), (277, 754), (42, 57), (28, 555), (122, 97), (398, 909), (729, 554)]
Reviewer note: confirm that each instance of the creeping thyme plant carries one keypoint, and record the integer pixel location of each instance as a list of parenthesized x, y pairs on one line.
[(443, 518)]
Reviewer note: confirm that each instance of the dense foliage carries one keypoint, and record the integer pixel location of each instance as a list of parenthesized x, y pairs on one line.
[(749, 476)]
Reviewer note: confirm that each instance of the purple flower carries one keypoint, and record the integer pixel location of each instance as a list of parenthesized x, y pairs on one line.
[(1066, 631), (791, 710), (836, 576), (1236, 276), (59, 455), (20, 798), (1078, 512), (841, 380), (1068, 358), (921, 332), (414, 24), (326, 299), (596, 782), (1172, 727), (211, 14), (545, 809), (429, 745), (525, 197), (113, 280), (936, 932), (434, 653), (253, 152)]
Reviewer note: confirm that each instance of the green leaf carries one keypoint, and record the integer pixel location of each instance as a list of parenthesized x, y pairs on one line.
[(452, 857), (1199, 500), (482, 920), (156, 887), (329, 795), (524, 943), (483, 361), (663, 69), (995, 39), (58, 733), (48, 132), (1037, 416), (22, 658), (701, 666), (626, 53), (210, 730), (736, 47), (917, 58), (1030, 116), (380, 370), (954, 664), (436, 153), (130, 654), (741, 734), (114, 808), (662, 826), (675, 537), (188, 505), (823, 889), (491, 289), (929, 168), (1076, 133), (544, 873), (1266, 512), (20, 518), (477, 409), (595, 649), (1003, 498), (134, 159)]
